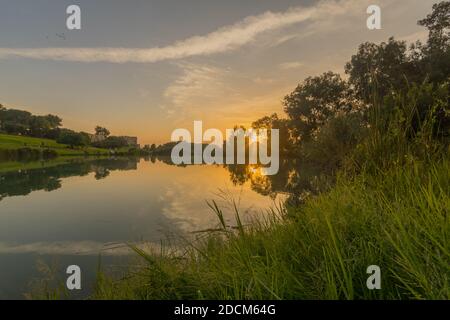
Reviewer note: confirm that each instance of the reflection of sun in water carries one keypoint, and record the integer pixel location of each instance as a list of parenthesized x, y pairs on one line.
[(253, 137), (259, 179), (258, 173)]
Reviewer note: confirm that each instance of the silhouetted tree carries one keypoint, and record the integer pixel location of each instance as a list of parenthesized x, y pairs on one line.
[(274, 122), (378, 68), (315, 101), (102, 131), (436, 53)]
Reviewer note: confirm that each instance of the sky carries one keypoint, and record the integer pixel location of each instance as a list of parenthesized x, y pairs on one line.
[(145, 68)]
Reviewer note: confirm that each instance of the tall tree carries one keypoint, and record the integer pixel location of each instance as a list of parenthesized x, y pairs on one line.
[(100, 131), (15, 121), (53, 121), (315, 101), (73, 138), (379, 68), (436, 53), (274, 122), (438, 24)]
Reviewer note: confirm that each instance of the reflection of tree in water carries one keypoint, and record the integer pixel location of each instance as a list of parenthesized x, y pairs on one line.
[(101, 173), (23, 182), (295, 178)]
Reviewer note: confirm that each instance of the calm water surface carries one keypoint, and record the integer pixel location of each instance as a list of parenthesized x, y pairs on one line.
[(53, 216)]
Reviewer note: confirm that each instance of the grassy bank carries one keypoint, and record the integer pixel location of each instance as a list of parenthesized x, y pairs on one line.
[(10, 145)]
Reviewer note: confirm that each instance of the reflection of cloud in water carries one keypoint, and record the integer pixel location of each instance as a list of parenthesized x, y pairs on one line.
[(184, 207), (185, 201), (73, 248)]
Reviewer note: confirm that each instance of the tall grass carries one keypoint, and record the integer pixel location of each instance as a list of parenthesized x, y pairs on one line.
[(390, 207)]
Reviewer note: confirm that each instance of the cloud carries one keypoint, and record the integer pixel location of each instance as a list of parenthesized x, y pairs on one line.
[(421, 35), (196, 81), (263, 80), (291, 65), (283, 39), (220, 95), (225, 39)]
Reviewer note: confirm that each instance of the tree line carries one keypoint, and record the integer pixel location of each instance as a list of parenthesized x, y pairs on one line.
[(24, 123), (327, 114)]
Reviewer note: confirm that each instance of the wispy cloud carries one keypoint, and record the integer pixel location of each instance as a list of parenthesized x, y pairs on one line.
[(291, 65), (201, 89), (196, 81), (421, 35), (224, 39)]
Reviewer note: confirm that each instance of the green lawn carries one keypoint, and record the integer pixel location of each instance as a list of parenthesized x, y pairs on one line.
[(16, 142)]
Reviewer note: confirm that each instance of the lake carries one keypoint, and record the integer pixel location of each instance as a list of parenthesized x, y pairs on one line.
[(73, 212)]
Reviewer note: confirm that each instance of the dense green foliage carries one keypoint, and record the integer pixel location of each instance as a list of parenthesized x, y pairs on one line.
[(328, 112), (73, 138), (20, 122)]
